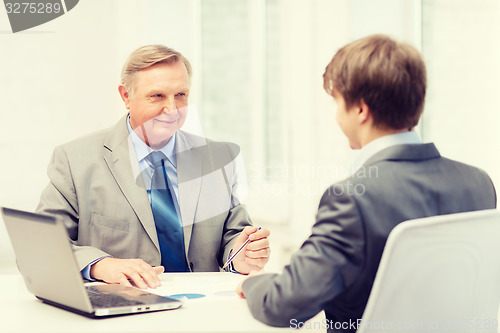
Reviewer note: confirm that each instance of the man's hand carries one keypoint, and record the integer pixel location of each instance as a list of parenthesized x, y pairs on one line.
[(256, 254), (112, 270), (239, 290)]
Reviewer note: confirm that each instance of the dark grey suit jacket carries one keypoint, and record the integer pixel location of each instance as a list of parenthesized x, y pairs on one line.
[(95, 188), (335, 268)]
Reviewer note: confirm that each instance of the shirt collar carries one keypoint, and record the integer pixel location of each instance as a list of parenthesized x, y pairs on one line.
[(377, 145), (142, 150)]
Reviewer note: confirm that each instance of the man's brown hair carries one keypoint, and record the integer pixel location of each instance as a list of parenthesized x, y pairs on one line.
[(389, 76), (147, 56)]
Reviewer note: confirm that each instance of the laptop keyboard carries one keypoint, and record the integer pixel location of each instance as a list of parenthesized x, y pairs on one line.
[(104, 300)]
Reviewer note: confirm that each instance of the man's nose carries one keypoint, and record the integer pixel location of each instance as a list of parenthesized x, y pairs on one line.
[(169, 106)]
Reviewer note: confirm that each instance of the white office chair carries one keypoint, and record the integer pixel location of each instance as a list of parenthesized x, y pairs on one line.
[(438, 274)]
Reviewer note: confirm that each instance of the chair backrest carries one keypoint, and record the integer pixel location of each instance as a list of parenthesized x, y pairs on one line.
[(438, 274)]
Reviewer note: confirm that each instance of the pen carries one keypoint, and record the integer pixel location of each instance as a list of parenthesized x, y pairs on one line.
[(237, 251)]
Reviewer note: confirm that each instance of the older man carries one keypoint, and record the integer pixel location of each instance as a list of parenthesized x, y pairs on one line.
[(144, 193), (379, 86)]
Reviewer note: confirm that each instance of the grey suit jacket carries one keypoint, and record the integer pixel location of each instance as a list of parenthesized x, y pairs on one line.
[(335, 268), (96, 189)]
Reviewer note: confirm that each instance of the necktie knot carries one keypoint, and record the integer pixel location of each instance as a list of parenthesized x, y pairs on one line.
[(156, 158)]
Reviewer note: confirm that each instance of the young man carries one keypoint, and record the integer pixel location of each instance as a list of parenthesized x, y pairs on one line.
[(145, 193), (379, 86)]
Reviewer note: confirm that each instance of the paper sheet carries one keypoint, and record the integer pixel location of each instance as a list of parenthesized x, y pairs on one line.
[(209, 284)]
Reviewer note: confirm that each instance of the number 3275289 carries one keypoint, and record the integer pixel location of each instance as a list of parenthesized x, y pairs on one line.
[(33, 8)]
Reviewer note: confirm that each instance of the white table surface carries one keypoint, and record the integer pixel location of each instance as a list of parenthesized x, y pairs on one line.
[(221, 310)]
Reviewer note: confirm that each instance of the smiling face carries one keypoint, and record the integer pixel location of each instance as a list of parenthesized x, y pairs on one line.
[(159, 102)]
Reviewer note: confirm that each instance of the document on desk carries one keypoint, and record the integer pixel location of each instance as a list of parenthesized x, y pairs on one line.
[(205, 285)]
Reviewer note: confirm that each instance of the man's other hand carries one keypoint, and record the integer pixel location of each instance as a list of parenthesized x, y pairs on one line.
[(112, 270)]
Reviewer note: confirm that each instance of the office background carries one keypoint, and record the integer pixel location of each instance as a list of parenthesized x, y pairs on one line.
[(257, 81)]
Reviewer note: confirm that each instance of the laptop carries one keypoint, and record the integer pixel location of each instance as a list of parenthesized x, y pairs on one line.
[(46, 261)]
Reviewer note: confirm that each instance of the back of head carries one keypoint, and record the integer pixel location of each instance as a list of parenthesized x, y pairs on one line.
[(389, 76), (147, 56)]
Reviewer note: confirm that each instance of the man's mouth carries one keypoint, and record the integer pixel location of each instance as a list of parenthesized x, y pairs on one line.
[(167, 121)]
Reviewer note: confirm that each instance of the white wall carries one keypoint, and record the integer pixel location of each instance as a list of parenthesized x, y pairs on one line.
[(462, 51)]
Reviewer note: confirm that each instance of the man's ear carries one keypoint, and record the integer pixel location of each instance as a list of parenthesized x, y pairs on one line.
[(364, 112), (124, 95)]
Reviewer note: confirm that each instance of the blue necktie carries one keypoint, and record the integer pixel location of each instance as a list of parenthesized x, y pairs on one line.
[(168, 227)]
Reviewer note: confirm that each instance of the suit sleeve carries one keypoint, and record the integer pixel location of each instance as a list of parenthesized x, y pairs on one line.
[(329, 261), (60, 198)]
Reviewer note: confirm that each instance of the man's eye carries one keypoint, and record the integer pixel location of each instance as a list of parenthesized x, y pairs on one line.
[(181, 95), (157, 95)]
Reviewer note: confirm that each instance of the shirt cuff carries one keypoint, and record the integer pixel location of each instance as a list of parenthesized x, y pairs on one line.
[(86, 270)]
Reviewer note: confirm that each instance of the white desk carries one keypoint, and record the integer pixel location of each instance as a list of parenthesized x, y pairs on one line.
[(220, 311)]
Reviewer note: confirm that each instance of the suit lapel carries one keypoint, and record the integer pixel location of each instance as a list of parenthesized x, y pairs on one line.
[(121, 162), (189, 179)]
